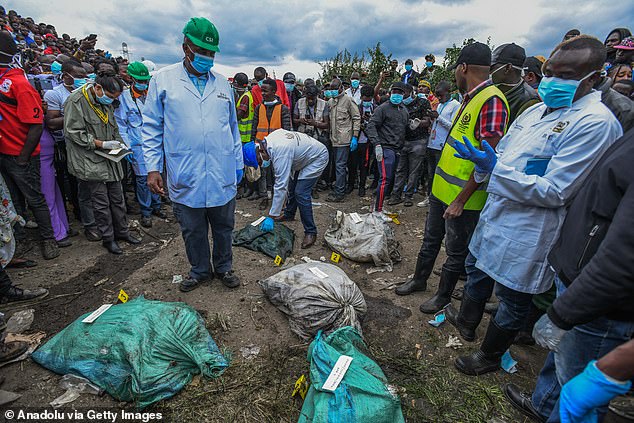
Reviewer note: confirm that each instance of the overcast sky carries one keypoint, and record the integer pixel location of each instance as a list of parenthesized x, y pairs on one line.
[(292, 35)]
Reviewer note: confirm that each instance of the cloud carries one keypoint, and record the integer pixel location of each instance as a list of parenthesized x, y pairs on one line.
[(280, 33)]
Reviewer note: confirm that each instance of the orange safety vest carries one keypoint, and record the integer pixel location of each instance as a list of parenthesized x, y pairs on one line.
[(264, 126)]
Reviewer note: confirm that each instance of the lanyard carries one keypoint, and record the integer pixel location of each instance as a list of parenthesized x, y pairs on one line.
[(103, 116)]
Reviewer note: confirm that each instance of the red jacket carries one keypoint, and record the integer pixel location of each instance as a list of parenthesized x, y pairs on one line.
[(281, 93)]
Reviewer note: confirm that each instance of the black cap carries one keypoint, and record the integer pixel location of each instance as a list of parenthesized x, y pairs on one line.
[(533, 64), (240, 80), (406, 88), (289, 77), (509, 54), (474, 54)]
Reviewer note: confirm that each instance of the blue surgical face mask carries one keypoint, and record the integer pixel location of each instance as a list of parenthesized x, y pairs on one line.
[(202, 64), (140, 87), (408, 100), (408, 68), (420, 95), (367, 104), (396, 98), (79, 82), (92, 76), (56, 68), (429, 64), (104, 99), (354, 83), (269, 103), (289, 86), (265, 163), (558, 92), (260, 82)]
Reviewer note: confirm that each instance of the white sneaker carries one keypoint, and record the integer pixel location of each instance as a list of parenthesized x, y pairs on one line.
[(424, 203), (31, 225)]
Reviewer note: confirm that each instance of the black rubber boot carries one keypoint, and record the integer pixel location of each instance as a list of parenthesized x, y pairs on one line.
[(487, 359), (469, 317), (442, 297), (417, 283)]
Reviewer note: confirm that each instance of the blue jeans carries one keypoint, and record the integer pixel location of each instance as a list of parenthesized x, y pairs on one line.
[(195, 223), (578, 347), (148, 201), (387, 170), (299, 196), (341, 169), (514, 305)]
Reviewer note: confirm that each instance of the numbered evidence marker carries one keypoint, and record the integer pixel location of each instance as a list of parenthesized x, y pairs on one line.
[(278, 261), (301, 387), (123, 297), (335, 257)]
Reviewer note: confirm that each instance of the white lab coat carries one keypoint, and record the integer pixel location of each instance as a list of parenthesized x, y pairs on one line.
[(523, 215), (293, 152), (197, 135)]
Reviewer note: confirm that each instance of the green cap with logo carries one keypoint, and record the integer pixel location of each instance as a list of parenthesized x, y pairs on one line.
[(202, 33), (139, 71)]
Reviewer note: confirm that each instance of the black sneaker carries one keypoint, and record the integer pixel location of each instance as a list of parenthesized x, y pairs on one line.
[(12, 350), (146, 221), (229, 279), (92, 235), (521, 401), (50, 250), (17, 295), (189, 284), (333, 198)]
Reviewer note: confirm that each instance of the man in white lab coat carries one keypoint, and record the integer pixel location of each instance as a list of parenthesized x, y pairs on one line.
[(540, 165), (298, 161), (190, 120)]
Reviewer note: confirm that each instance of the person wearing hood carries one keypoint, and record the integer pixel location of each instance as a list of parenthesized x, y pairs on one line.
[(613, 39)]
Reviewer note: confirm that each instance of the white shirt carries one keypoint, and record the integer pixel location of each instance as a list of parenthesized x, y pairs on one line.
[(442, 124), (522, 217), (356, 95)]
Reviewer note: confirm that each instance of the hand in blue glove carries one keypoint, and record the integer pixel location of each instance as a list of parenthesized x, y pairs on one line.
[(266, 225), (239, 175), (583, 394), (484, 160), (547, 334), (354, 143)]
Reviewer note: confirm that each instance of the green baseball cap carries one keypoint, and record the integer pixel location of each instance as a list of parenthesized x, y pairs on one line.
[(138, 70), (202, 33)]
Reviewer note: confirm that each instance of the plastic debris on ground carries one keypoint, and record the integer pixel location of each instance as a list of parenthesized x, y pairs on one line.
[(177, 278), (75, 386), (364, 238), (7, 397), (278, 242), (453, 342), (142, 351), (315, 296), (20, 321), (508, 363), (439, 319), (359, 393), (33, 340), (250, 352)]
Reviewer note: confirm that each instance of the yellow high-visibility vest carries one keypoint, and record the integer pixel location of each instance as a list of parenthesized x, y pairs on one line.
[(452, 173), (245, 125)]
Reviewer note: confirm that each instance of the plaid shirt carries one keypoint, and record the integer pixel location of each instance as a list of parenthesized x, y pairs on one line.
[(493, 116)]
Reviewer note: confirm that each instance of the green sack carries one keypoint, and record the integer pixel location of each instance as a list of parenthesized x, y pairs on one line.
[(141, 351), (278, 242), (362, 396)]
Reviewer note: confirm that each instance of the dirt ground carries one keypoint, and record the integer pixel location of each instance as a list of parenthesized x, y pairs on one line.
[(85, 276)]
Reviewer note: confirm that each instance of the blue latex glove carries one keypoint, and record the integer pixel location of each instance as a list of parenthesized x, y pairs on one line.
[(239, 175), (354, 143), (547, 334), (583, 394), (484, 159), (267, 225)]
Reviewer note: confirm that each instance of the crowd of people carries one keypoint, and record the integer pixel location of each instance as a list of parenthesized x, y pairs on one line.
[(521, 163)]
